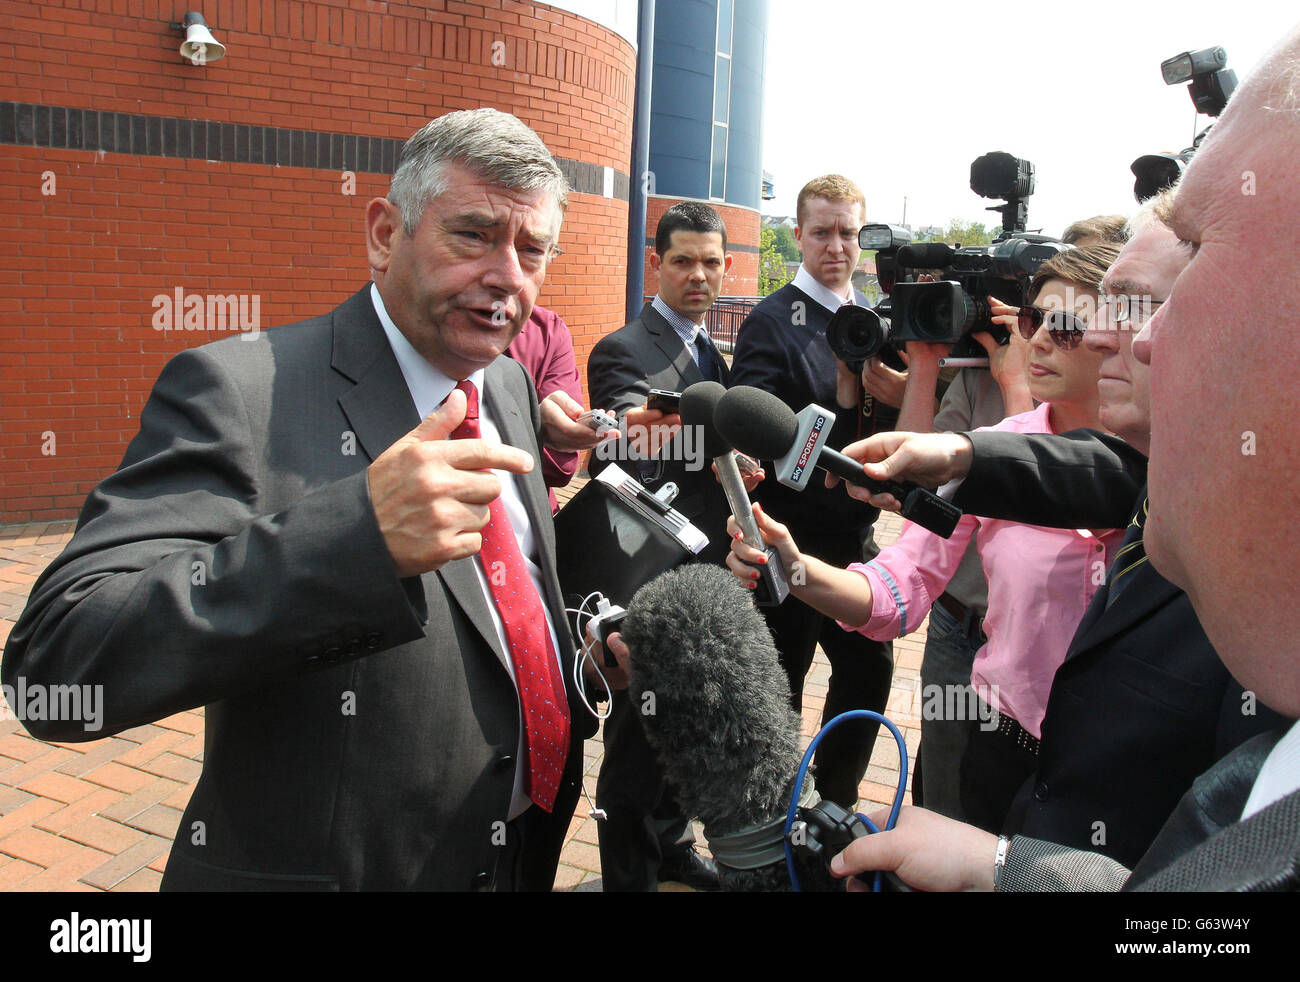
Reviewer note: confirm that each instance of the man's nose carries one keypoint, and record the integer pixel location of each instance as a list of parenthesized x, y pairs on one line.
[(1042, 339), (1101, 334), (504, 272)]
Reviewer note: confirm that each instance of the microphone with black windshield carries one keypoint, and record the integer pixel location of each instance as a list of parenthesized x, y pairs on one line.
[(761, 425)]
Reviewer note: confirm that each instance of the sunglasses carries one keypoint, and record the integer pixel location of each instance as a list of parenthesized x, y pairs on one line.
[(1065, 330)]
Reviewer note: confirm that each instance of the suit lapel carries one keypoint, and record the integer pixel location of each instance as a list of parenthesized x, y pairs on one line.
[(379, 406), (380, 411), (1148, 591), (723, 370), (672, 345)]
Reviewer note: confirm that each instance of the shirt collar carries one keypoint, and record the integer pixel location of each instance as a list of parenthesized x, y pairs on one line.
[(824, 295), (428, 385), (1279, 775), (686, 328)]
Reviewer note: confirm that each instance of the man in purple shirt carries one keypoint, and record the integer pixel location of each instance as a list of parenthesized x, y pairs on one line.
[(545, 348)]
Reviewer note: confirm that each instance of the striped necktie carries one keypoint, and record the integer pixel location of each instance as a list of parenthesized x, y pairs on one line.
[(1131, 555)]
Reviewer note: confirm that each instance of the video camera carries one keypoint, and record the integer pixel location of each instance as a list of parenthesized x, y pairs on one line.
[(1210, 84), (950, 310)]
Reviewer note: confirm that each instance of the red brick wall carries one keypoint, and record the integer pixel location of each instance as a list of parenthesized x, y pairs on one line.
[(743, 229), (78, 353)]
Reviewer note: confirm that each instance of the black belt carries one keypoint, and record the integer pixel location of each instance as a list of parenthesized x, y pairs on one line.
[(1017, 734), (960, 612)]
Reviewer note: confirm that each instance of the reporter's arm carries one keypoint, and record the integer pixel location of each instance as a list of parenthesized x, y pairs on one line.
[(917, 414), (928, 459), (1079, 479), (1008, 363), (836, 592), (928, 852), (558, 372), (936, 854)]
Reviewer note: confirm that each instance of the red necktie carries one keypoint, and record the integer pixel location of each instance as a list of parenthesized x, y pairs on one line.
[(537, 672)]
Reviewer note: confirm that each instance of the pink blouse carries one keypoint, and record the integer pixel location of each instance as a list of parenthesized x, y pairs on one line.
[(1040, 583)]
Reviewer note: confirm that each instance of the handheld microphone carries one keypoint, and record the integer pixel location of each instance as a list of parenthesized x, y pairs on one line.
[(697, 408), (715, 705), (761, 425)]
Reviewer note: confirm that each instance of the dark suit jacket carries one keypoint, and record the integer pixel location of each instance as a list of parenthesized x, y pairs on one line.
[(361, 729), (1142, 703), (622, 369), (1205, 846)]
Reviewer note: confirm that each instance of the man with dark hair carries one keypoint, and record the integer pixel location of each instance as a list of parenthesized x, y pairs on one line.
[(686, 216), (335, 536), (781, 348), (666, 346)]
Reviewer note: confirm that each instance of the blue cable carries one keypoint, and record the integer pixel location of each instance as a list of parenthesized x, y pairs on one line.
[(803, 774)]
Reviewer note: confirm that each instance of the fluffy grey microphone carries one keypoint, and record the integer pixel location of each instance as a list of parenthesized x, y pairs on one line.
[(715, 706)]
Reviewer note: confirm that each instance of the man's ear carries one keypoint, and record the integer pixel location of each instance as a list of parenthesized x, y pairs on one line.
[(656, 261), (383, 225), (726, 263)]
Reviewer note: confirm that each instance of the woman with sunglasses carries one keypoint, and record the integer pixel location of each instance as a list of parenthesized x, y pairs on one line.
[(1040, 580)]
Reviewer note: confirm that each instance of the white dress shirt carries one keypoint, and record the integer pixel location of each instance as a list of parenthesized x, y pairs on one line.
[(429, 387), (685, 328), (824, 295), (1279, 776)]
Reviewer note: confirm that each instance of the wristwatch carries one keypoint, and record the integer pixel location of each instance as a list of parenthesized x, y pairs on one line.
[(1000, 860)]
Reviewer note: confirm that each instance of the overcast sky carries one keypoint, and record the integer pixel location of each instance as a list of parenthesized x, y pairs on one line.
[(901, 97)]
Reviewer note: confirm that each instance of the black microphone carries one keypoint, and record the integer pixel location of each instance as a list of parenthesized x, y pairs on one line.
[(696, 408), (763, 426), (715, 706)]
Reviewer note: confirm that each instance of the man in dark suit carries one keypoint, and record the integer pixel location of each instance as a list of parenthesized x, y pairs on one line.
[(1140, 671), (365, 609), (667, 346), (1212, 514), (782, 348)]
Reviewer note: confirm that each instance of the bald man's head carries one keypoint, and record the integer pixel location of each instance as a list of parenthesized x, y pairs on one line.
[(1225, 387)]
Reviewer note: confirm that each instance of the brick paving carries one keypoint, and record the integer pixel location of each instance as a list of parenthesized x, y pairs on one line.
[(100, 816)]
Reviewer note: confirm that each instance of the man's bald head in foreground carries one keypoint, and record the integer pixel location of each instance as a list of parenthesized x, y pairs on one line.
[(1225, 387)]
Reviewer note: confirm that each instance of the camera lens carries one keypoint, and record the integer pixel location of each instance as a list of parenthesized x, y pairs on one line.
[(856, 334)]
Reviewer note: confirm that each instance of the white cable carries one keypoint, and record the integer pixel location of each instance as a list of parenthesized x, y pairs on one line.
[(579, 679), (580, 683)]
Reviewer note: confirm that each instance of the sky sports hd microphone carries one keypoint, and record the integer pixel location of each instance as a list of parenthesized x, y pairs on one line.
[(760, 424)]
